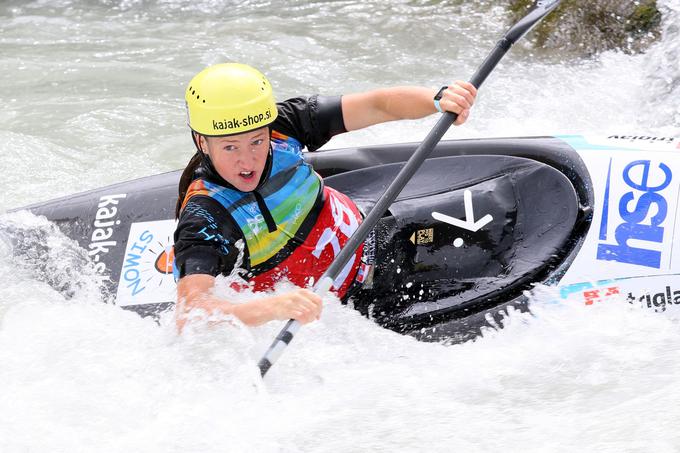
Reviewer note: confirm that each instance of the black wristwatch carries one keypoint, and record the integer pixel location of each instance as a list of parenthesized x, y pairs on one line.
[(438, 97)]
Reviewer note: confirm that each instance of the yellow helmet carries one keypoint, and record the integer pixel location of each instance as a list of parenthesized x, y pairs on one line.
[(229, 98)]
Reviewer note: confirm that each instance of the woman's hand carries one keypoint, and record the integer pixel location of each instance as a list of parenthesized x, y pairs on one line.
[(459, 98), (301, 305), (195, 292)]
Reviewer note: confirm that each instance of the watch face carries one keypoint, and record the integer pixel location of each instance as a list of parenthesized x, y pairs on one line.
[(438, 96)]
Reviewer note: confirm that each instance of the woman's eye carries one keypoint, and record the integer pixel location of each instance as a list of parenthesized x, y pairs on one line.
[(229, 148), (258, 142)]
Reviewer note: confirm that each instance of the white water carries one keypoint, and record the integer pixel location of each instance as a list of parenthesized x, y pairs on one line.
[(91, 95)]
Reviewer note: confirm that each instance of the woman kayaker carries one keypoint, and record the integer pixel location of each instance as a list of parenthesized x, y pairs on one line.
[(248, 200)]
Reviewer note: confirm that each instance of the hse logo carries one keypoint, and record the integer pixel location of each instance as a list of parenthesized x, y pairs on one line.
[(146, 275), (634, 214)]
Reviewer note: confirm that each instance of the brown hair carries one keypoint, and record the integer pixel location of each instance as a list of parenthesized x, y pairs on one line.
[(188, 175)]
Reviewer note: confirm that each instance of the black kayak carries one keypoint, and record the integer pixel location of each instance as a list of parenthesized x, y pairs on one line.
[(480, 223)]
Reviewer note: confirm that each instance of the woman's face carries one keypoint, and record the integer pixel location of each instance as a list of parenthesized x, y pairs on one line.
[(239, 159)]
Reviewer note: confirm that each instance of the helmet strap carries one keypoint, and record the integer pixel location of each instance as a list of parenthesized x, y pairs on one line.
[(194, 137), (267, 166), (206, 165)]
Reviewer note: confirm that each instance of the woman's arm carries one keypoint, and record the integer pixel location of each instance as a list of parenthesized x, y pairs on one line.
[(195, 292), (361, 110)]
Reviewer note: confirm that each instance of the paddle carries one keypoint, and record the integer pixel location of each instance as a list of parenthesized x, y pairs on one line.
[(540, 10)]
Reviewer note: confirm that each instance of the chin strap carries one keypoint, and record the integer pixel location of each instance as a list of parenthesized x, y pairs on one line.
[(267, 167)]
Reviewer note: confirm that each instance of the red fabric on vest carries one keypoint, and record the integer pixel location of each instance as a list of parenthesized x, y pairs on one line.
[(338, 219)]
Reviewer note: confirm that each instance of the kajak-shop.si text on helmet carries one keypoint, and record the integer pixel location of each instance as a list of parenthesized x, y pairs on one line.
[(229, 98)]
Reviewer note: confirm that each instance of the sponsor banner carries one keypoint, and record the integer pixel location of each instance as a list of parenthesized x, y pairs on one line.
[(591, 293), (146, 275), (104, 228), (657, 293), (623, 142), (645, 142), (638, 214), (634, 229)]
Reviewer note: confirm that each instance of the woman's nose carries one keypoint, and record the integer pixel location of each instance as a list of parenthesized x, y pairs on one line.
[(247, 156)]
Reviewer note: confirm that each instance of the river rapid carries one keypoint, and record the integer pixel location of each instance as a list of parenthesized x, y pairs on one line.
[(92, 95)]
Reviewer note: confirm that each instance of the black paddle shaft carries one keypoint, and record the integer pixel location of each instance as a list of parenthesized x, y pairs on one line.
[(435, 135), (408, 170), (541, 9)]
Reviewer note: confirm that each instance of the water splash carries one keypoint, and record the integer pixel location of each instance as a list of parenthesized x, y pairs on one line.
[(80, 374), (663, 74), (37, 248)]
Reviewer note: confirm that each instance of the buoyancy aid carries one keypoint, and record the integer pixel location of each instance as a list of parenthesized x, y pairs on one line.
[(293, 226)]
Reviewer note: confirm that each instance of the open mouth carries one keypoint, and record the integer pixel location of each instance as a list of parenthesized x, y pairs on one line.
[(247, 174)]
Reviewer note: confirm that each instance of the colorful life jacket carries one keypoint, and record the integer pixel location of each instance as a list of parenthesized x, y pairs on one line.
[(293, 226)]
